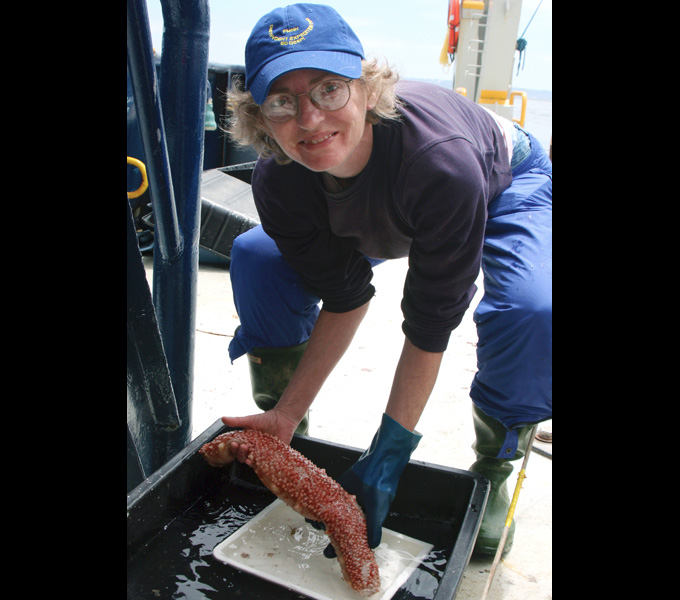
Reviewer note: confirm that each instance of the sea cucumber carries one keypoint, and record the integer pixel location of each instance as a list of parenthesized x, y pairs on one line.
[(312, 493)]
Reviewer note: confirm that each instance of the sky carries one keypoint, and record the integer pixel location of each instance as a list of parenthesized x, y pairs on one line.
[(409, 34)]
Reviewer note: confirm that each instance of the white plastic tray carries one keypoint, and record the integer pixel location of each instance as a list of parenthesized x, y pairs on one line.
[(280, 546)]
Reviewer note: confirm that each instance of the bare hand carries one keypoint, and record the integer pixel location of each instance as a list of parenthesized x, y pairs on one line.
[(272, 421)]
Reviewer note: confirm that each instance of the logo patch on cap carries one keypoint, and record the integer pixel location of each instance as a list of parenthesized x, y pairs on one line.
[(293, 39)]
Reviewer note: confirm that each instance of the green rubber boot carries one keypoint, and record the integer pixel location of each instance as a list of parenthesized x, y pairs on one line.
[(270, 372), (490, 437)]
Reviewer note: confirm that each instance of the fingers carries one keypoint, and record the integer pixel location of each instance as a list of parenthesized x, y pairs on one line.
[(237, 421), (375, 537), (241, 452), (316, 524), (269, 421)]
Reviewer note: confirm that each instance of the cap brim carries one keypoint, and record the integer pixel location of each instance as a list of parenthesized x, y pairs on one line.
[(339, 63)]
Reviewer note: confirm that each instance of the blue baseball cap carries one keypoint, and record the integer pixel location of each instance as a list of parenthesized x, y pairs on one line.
[(300, 36)]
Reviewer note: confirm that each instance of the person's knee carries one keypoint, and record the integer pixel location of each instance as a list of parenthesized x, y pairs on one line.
[(241, 246), (253, 256), (253, 245)]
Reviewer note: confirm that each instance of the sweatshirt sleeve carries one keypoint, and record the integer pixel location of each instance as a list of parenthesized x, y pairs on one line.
[(329, 266), (445, 201)]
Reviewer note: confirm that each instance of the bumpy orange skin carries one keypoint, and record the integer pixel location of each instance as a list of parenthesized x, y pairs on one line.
[(312, 493)]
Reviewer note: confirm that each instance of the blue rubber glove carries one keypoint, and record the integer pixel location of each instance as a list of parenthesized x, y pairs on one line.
[(373, 479)]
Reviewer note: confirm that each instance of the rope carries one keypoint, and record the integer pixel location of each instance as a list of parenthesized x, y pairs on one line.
[(521, 46), (532, 18), (522, 43)]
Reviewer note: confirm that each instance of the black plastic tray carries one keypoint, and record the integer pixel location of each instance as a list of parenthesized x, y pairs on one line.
[(227, 211), (180, 513)]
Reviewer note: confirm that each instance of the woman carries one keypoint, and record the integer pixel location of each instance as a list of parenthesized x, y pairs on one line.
[(355, 168)]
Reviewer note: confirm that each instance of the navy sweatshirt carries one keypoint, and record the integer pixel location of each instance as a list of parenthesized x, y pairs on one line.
[(423, 194)]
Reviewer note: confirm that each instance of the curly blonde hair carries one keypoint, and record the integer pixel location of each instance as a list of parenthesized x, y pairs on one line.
[(247, 127)]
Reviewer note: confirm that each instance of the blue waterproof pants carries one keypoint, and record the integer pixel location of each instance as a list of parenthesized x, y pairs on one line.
[(513, 383)]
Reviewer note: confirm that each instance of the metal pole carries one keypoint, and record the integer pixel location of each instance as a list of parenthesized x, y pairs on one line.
[(173, 139), (183, 76)]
